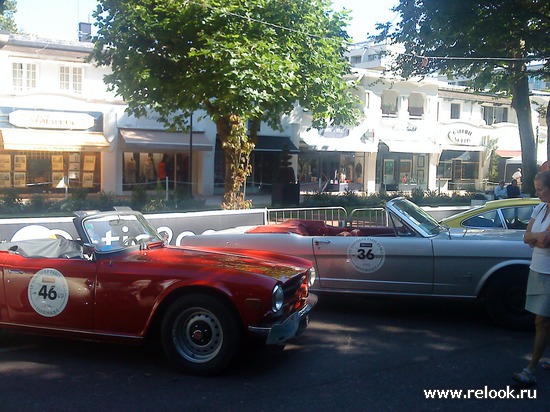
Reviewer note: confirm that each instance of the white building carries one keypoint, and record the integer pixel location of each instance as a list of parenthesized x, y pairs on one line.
[(61, 126), (416, 133)]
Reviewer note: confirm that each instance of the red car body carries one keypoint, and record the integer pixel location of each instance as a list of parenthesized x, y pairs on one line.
[(205, 301)]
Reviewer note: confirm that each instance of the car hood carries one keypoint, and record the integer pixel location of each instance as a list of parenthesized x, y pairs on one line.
[(202, 259)]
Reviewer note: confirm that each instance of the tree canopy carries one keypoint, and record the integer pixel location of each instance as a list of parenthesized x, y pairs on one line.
[(490, 42), (238, 60), (7, 10)]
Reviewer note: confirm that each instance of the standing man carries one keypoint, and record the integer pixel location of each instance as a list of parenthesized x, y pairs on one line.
[(517, 176)]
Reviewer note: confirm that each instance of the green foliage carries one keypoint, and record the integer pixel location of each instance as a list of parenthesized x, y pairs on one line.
[(237, 60), (8, 8), (139, 198), (11, 201), (486, 41), (350, 199)]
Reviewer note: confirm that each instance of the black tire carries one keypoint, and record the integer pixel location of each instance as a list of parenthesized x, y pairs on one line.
[(200, 334), (505, 300)]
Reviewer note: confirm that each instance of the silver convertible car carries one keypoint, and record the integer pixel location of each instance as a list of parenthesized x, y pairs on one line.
[(413, 255)]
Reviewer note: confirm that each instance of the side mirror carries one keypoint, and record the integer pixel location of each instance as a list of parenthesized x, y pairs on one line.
[(165, 236)]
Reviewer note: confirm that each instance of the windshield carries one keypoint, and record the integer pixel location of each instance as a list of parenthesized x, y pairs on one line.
[(117, 231), (422, 220)]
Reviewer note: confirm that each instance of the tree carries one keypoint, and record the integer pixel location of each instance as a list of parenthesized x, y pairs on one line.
[(238, 60), (488, 41), (7, 10)]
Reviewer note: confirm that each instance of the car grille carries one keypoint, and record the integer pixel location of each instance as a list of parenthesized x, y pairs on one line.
[(295, 292)]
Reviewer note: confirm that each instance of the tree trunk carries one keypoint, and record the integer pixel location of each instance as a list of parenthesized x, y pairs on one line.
[(548, 133), (236, 148), (522, 106)]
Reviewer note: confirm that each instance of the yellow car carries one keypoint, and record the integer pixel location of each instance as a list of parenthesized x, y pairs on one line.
[(496, 214)]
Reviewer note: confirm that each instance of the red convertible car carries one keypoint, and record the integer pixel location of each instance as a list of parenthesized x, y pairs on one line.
[(121, 281)]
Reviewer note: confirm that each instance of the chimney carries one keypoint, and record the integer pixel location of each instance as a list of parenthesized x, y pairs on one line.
[(85, 32)]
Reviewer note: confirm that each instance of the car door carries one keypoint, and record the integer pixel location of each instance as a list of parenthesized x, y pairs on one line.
[(374, 264), (50, 292)]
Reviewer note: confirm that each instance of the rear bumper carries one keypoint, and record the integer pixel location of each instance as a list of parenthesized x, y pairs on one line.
[(291, 327)]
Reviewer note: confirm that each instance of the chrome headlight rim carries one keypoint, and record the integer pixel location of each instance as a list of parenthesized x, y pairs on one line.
[(277, 298)]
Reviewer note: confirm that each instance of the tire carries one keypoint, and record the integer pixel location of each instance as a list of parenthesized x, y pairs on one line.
[(200, 334), (505, 300)]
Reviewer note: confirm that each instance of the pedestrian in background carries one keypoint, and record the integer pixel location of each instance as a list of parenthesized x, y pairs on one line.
[(500, 191), (512, 190), (537, 236)]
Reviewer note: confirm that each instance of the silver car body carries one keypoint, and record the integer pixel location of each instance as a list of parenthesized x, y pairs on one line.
[(414, 256)]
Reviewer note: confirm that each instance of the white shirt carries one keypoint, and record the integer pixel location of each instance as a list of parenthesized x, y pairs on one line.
[(541, 257)]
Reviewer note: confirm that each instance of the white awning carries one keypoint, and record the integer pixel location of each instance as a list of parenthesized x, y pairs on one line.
[(409, 138), (411, 146), (53, 141), (142, 140), (358, 139)]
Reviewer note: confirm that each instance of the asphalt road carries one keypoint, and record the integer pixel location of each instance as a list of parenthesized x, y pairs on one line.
[(357, 355)]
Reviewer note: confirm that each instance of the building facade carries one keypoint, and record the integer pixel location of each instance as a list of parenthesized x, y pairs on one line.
[(61, 129)]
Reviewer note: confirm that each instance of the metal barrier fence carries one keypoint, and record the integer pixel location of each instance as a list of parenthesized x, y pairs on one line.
[(364, 217), (336, 216)]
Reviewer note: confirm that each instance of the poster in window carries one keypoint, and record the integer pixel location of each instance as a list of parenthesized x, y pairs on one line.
[(57, 162), (58, 179), (74, 158), (74, 167), (5, 179), (19, 163), (87, 179), (89, 163), (19, 179), (5, 163)]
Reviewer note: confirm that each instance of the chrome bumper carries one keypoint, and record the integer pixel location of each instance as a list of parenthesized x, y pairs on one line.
[(289, 328)]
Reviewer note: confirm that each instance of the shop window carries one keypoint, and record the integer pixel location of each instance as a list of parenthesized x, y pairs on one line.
[(455, 111), (70, 79), (24, 76)]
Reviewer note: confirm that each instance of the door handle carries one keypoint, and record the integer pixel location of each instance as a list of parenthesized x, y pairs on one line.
[(18, 271), (318, 242)]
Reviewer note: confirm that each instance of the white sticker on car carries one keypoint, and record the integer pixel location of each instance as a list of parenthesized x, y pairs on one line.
[(366, 255), (48, 292)]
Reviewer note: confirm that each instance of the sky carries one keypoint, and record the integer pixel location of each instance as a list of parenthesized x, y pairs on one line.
[(58, 19)]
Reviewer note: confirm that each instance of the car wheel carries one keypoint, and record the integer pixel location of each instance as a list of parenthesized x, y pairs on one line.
[(200, 334), (506, 301)]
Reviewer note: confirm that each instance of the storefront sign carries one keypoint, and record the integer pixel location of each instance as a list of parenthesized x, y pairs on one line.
[(51, 120), (463, 136)]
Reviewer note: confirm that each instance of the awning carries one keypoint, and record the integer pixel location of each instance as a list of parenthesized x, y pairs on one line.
[(142, 140), (411, 146), (53, 141), (408, 138), (359, 139), (275, 144), (509, 153)]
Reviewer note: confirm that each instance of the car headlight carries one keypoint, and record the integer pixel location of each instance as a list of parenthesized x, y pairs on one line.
[(277, 298), (312, 276)]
